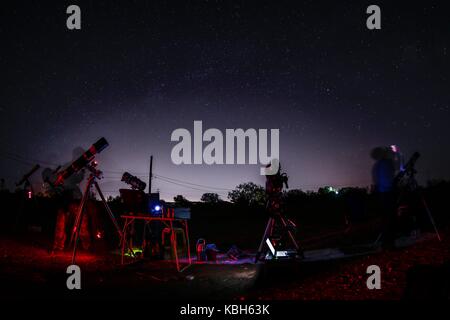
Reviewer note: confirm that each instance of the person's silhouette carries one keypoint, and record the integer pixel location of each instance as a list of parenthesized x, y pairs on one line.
[(383, 174), (70, 199)]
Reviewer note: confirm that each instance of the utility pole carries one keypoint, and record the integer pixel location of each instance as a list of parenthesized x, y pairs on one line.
[(150, 176)]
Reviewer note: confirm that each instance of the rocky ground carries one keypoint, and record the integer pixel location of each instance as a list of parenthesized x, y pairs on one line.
[(418, 271), (421, 271)]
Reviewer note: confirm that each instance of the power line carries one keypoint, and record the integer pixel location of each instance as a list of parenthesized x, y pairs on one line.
[(18, 160), (31, 161), (175, 181), (193, 184), (196, 189), (182, 185)]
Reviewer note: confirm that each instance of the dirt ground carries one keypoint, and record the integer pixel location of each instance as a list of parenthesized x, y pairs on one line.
[(421, 271), (418, 271)]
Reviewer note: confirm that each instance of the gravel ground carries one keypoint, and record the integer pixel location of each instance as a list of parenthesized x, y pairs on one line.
[(417, 271), (28, 270)]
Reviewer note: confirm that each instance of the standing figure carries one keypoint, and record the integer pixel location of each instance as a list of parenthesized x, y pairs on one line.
[(68, 197), (383, 174)]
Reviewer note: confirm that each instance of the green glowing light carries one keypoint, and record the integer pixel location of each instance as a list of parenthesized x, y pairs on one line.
[(135, 252)]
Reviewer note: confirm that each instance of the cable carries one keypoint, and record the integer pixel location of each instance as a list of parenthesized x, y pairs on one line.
[(18, 160), (190, 183), (140, 175), (182, 185), (31, 161), (169, 179)]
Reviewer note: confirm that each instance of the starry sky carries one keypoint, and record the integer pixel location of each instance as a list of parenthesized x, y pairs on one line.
[(137, 70)]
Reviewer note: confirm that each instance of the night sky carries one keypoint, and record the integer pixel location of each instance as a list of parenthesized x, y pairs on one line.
[(137, 70)]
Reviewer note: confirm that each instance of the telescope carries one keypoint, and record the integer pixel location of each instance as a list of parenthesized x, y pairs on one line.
[(409, 168), (28, 175), (133, 181), (82, 161), (276, 181)]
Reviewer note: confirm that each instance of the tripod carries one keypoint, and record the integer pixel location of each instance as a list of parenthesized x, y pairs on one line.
[(277, 236), (412, 186), (95, 174), (279, 233)]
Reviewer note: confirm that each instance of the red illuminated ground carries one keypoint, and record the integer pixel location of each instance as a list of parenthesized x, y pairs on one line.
[(26, 268)]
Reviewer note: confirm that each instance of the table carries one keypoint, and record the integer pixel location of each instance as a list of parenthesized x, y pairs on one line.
[(168, 222)]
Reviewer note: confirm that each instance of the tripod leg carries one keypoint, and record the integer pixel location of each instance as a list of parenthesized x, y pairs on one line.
[(76, 231), (263, 240), (111, 216), (186, 230), (113, 219), (430, 216), (77, 223), (289, 232), (173, 241)]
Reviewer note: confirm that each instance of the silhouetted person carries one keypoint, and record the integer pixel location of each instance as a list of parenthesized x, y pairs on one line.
[(383, 174), (69, 196)]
